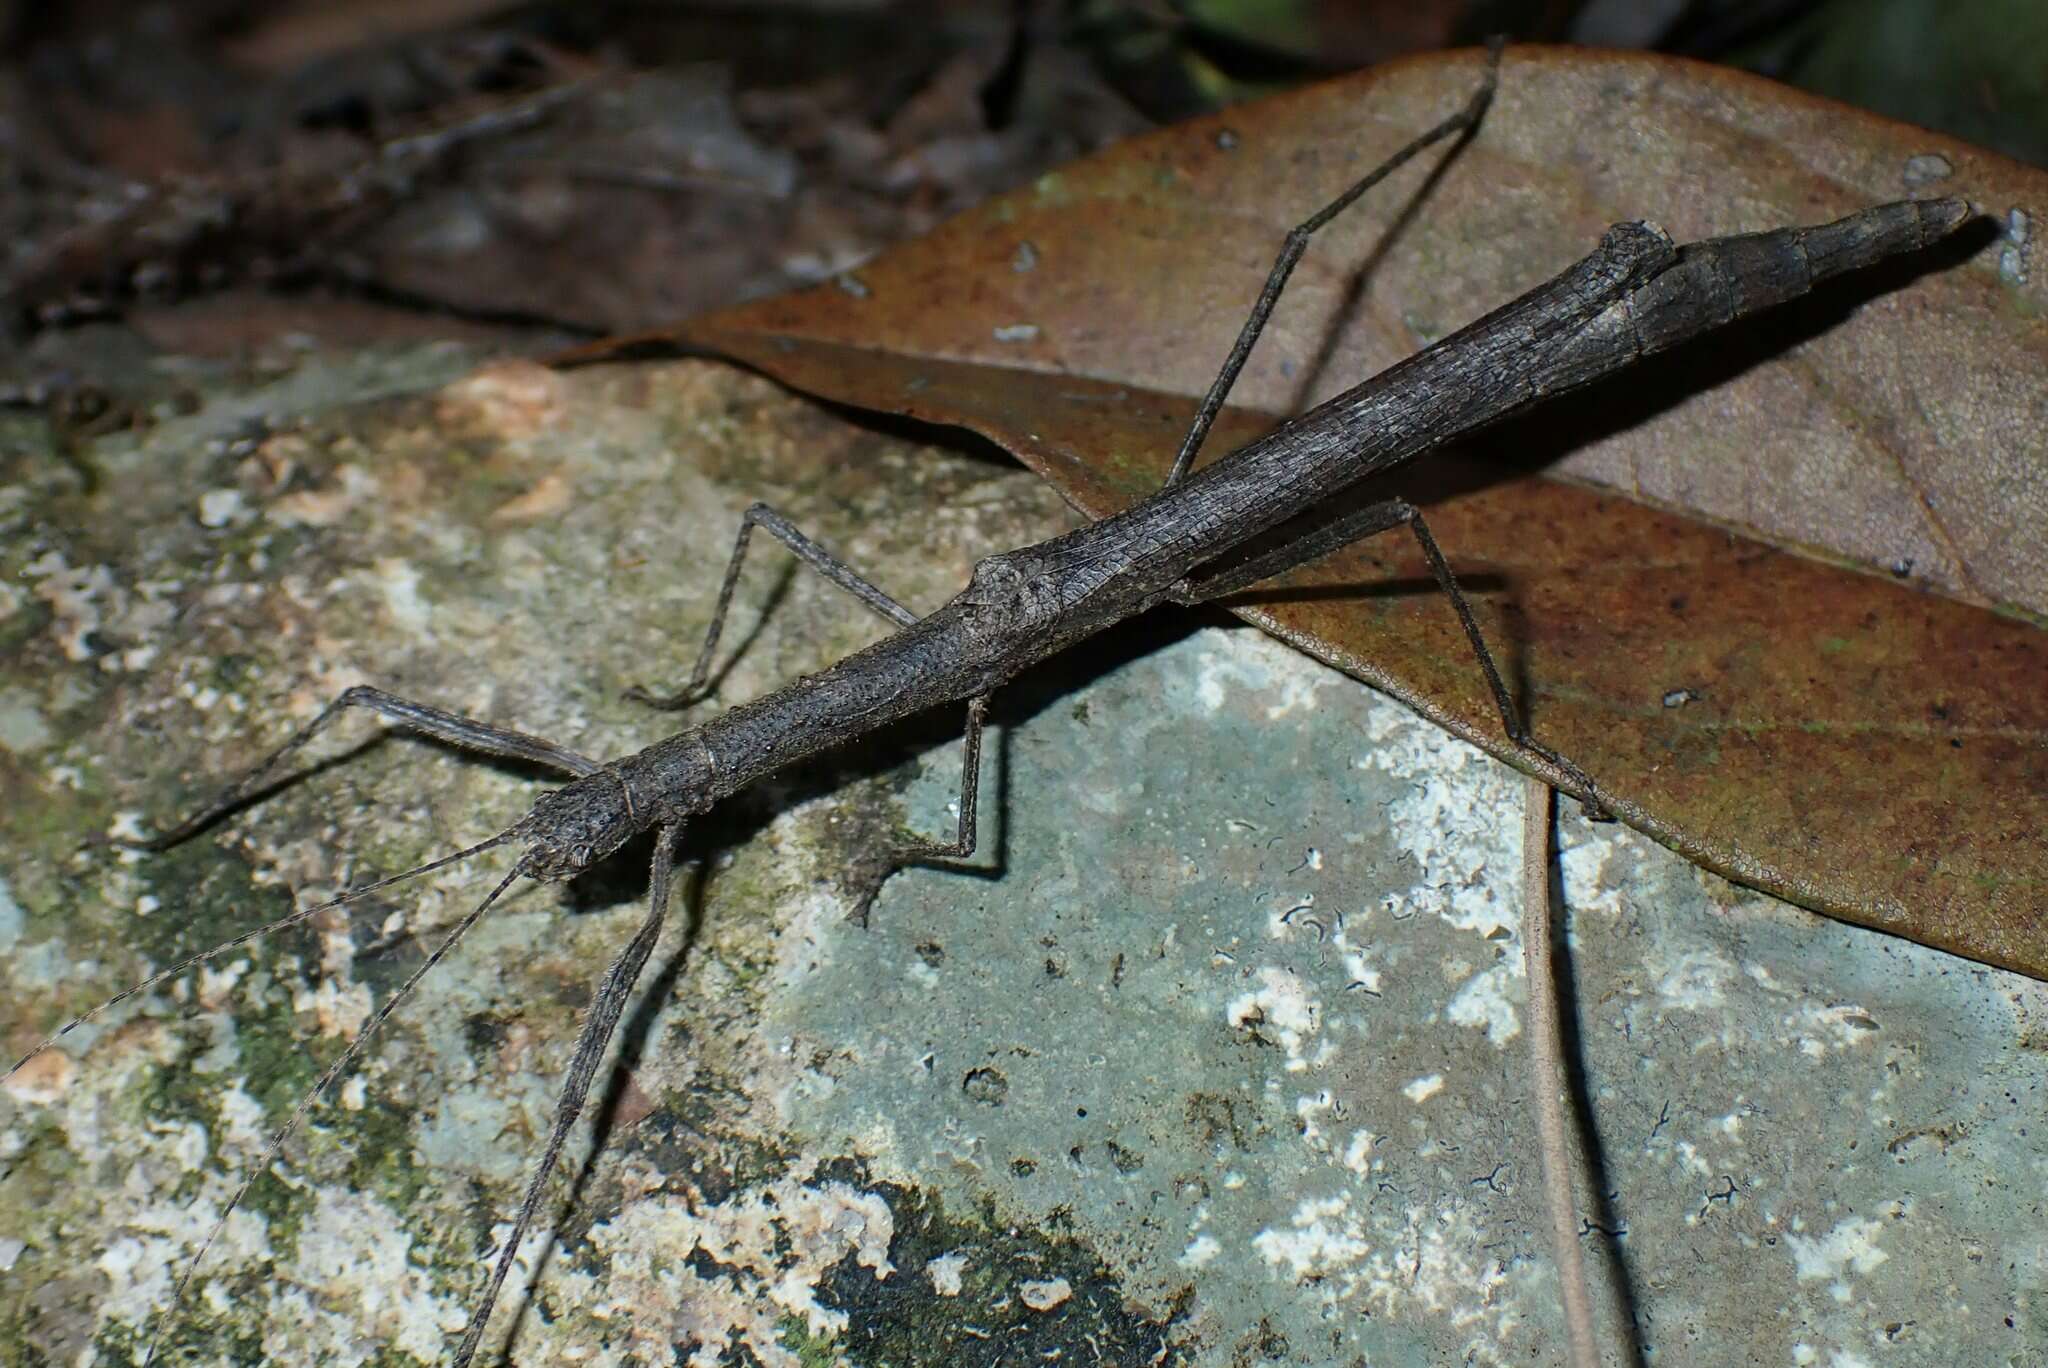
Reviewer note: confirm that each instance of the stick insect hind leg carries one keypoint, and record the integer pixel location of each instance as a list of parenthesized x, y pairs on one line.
[(1355, 526), (1378, 517)]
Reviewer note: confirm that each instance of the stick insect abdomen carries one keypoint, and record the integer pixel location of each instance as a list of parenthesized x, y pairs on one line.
[(1721, 279)]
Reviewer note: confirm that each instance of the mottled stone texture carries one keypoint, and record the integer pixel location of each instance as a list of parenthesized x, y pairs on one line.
[(1213, 1055)]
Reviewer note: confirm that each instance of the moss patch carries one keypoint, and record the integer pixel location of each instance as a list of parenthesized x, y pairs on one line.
[(907, 1321)]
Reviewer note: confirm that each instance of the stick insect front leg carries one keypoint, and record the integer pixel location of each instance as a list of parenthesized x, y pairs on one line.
[(442, 725), (424, 718), (603, 1019)]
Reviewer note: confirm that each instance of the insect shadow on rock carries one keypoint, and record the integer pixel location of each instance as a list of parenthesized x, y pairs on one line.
[(1207, 533)]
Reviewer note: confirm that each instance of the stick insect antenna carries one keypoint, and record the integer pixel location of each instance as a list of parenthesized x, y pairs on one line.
[(333, 1071), (290, 919)]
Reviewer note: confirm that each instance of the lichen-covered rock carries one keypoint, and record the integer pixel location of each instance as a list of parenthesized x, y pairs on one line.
[(1213, 1055)]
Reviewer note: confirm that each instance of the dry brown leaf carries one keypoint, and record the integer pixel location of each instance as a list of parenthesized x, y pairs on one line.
[(1853, 740)]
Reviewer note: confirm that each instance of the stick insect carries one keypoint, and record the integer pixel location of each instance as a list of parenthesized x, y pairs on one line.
[(1207, 533)]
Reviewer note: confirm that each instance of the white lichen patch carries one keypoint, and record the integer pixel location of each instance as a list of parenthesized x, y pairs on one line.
[(1850, 1249), (812, 919), (1043, 1294), (339, 1009), (1283, 1007), (1815, 1029), (1589, 861), (242, 1120), (1420, 1090), (142, 1267), (1438, 1265), (944, 1273), (1690, 1158), (1358, 1152), (78, 599), (222, 508), (1259, 666), (1308, 1113), (1360, 974), (1199, 1251), (1323, 1238), (1487, 1000), (1431, 1263), (1449, 821), (352, 1289), (1696, 981), (773, 1244)]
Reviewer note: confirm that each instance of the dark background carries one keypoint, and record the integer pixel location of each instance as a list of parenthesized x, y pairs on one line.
[(217, 174)]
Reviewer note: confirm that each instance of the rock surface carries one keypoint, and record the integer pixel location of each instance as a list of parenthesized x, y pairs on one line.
[(1213, 1055)]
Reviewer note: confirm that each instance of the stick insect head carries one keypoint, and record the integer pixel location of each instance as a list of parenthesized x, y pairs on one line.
[(575, 826)]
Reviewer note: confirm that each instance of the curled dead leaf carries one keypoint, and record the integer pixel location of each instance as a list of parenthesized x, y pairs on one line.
[(1827, 678)]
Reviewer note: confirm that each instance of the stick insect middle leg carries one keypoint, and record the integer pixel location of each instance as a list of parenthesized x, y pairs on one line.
[(813, 554)]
